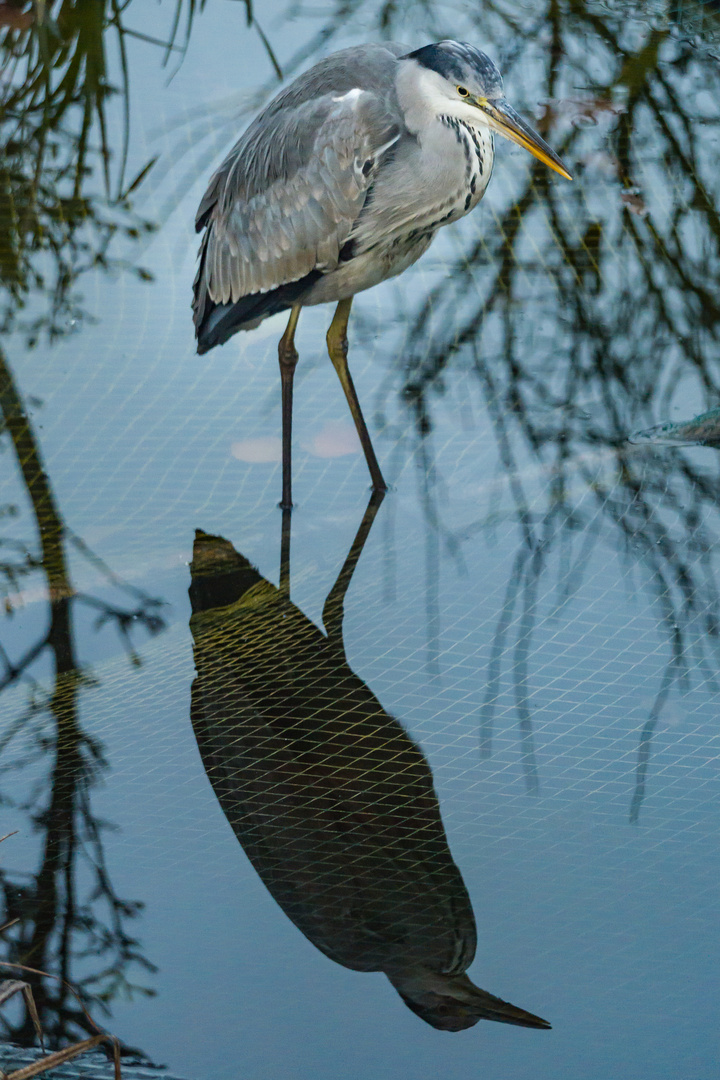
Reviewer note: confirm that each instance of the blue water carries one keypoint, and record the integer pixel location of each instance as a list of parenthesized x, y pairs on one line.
[(536, 602)]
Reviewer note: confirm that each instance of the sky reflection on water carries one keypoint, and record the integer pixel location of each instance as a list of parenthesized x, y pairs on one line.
[(537, 604)]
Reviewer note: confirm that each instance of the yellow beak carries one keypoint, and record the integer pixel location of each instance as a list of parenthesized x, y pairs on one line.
[(507, 122)]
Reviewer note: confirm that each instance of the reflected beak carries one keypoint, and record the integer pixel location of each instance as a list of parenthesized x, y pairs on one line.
[(507, 122), (453, 1002), (488, 1007)]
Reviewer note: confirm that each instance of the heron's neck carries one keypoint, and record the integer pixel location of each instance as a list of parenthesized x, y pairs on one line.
[(478, 132), (453, 137)]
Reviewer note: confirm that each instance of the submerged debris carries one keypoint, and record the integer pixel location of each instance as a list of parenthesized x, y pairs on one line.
[(92, 1065)]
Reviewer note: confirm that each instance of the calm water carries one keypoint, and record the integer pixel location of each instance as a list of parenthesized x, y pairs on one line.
[(536, 602)]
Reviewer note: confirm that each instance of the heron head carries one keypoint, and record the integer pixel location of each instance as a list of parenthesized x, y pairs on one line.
[(452, 1002), (463, 82)]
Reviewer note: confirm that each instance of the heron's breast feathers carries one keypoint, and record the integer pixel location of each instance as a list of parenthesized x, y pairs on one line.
[(427, 184)]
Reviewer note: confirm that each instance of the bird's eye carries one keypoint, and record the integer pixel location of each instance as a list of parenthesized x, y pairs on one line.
[(463, 91)]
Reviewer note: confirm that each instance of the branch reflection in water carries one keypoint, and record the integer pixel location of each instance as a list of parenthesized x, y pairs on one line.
[(571, 318), (68, 911), (64, 204), (332, 801)]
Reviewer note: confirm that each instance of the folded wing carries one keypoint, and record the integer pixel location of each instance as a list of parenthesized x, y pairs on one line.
[(284, 201)]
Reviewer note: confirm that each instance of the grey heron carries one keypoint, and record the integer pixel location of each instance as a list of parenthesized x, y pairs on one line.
[(341, 182), (331, 799)]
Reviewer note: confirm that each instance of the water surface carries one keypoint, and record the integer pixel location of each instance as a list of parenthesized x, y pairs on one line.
[(536, 603)]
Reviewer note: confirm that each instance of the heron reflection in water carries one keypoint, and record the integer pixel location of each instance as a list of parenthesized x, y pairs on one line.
[(332, 801), (342, 182)]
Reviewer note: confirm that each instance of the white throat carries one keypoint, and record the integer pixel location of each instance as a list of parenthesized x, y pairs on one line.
[(425, 97)]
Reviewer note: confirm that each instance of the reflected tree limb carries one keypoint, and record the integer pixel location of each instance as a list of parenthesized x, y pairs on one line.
[(52, 919)]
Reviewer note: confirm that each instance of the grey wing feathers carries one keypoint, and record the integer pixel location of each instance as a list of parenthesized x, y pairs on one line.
[(285, 199), (299, 222), (261, 155)]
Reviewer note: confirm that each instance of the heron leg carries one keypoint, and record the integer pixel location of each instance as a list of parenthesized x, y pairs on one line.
[(337, 344), (288, 357)]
